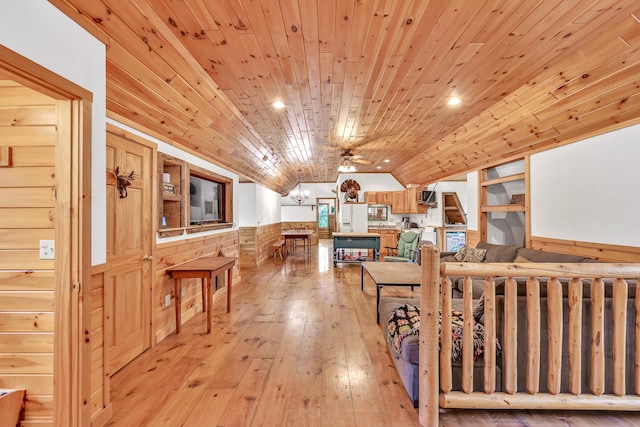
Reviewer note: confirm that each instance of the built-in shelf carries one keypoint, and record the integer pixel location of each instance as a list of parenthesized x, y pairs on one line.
[(171, 206), (504, 202), (170, 232), (502, 208), (172, 197)]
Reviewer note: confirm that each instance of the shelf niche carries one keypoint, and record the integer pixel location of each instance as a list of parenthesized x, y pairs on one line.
[(171, 206)]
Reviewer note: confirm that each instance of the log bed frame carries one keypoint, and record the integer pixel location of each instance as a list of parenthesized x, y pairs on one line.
[(435, 365)]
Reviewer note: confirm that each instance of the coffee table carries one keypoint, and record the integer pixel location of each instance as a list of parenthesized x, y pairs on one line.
[(390, 274)]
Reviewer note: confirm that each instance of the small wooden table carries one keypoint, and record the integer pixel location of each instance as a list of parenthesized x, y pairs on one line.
[(390, 274), (299, 234), (205, 268)]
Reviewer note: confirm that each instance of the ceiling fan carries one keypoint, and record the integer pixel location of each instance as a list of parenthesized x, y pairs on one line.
[(355, 158), (348, 159)]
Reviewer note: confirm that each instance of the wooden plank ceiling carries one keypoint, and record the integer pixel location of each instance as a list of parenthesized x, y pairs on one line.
[(371, 75)]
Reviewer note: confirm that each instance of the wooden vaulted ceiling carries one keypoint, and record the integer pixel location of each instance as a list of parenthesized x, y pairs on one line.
[(371, 75)]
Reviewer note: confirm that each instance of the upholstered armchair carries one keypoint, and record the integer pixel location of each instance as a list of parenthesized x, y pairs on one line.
[(406, 248)]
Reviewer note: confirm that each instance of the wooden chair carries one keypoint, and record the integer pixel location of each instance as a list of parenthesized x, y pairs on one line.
[(300, 239)]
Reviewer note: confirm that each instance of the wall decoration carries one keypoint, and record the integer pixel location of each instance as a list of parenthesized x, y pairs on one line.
[(123, 181), (350, 187)]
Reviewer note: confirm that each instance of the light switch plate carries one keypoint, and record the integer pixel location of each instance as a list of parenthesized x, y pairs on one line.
[(47, 249), (167, 300)]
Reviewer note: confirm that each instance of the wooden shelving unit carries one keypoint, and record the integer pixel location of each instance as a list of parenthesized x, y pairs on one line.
[(171, 205), (505, 189)]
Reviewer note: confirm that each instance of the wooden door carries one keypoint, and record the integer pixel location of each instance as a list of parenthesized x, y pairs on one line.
[(129, 250)]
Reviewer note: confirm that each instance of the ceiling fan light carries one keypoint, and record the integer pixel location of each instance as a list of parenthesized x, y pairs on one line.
[(346, 166)]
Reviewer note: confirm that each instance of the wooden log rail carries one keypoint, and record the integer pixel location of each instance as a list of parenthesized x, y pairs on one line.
[(564, 284)]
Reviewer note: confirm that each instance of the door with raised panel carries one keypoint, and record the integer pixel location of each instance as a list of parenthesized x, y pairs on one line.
[(129, 245)]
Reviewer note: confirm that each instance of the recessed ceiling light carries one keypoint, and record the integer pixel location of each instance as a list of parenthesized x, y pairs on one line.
[(454, 100), (386, 160), (278, 104), (378, 167)]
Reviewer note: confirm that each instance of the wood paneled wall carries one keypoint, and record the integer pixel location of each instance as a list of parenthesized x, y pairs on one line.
[(473, 237), (598, 251), (27, 210), (172, 253), (308, 225), (100, 382), (256, 244)]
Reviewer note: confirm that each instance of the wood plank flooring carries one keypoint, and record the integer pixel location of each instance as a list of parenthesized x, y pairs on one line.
[(300, 348)]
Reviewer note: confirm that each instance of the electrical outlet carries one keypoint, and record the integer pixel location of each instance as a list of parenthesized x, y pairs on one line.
[(47, 249), (167, 300)]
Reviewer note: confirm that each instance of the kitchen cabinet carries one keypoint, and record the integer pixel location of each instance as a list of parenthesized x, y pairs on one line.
[(371, 197), (398, 202), (384, 198), (406, 202), (388, 238), (377, 197)]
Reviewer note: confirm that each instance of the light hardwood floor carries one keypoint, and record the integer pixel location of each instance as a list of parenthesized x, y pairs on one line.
[(300, 348)]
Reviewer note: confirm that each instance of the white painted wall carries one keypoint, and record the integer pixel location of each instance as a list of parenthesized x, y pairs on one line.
[(247, 199), (472, 201), (298, 213), (44, 35), (268, 207), (589, 191), (259, 205)]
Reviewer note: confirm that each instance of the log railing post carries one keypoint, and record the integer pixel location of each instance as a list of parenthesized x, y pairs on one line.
[(575, 336), (429, 339), (533, 336)]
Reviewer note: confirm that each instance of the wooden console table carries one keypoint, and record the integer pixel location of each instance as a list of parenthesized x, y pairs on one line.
[(205, 268)]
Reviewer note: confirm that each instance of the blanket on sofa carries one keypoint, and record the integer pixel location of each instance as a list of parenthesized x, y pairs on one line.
[(405, 321)]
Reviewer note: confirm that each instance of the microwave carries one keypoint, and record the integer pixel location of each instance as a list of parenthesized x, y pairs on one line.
[(428, 196)]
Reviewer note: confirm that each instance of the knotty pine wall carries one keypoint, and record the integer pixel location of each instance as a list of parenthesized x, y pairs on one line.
[(598, 251), (27, 210), (100, 390), (307, 225), (172, 253), (256, 244)]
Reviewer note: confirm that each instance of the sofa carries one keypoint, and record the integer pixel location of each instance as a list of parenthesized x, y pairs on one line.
[(406, 358), (491, 253)]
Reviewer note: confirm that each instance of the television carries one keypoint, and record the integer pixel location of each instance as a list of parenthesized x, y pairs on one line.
[(205, 201), (428, 196)]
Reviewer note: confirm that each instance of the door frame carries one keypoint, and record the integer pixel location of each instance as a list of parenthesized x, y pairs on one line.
[(72, 264), (329, 200)]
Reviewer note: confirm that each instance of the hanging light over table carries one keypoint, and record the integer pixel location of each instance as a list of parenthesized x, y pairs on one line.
[(297, 195)]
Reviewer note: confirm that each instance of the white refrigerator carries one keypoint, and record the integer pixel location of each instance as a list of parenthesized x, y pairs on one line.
[(353, 218)]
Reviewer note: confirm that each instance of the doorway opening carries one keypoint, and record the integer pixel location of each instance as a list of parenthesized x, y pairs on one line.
[(326, 217)]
